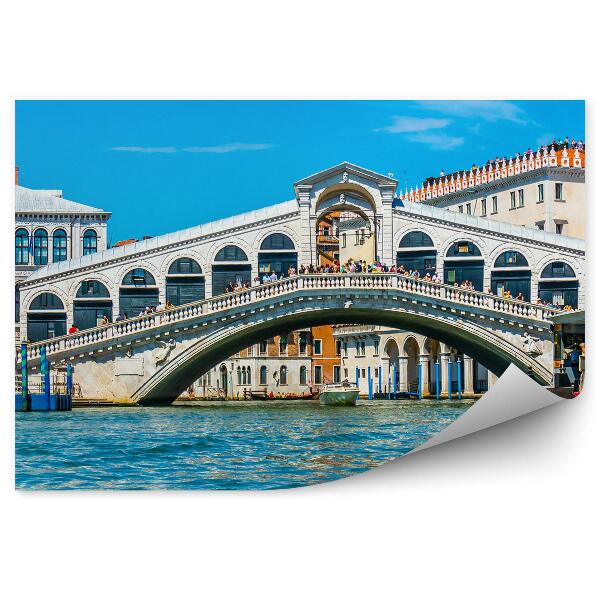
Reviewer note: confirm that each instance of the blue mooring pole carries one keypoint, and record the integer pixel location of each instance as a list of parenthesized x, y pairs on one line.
[(450, 379), (458, 381), (69, 379), (389, 388), (45, 371), (395, 382), (370, 383), (379, 378), (437, 379), (420, 381), (357, 376), (24, 382)]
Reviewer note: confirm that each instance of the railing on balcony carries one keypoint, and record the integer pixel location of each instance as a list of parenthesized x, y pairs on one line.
[(325, 281)]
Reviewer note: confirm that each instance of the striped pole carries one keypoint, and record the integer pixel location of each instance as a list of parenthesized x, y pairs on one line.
[(24, 382), (45, 371), (69, 379)]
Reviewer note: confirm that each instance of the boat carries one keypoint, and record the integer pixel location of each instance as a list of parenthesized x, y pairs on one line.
[(263, 395), (339, 394)]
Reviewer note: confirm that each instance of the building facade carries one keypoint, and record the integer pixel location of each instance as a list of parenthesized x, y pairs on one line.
[(543, 190)]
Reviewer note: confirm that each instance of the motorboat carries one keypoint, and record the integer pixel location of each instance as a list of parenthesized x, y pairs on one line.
[(339, 394)]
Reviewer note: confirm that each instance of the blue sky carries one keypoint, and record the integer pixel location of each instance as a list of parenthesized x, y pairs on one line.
[(159, 166)]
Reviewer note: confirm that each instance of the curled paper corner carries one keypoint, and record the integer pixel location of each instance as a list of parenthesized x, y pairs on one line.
[(513, 395)]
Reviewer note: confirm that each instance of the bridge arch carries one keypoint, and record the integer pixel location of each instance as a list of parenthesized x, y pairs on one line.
[(491, 350)]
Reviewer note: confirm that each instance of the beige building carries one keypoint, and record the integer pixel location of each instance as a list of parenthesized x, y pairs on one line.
[(543, 190)]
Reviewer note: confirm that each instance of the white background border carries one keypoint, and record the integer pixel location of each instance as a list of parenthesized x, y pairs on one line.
[(510, 512)]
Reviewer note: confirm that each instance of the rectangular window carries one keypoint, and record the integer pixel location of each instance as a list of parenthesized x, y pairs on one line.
[(463, 248), (494, 204), (346, 373), (317, 347), (343, 240), (541, 225), (262, 347), (468, 208), (318, 378), (521, 198), (362, 373), (483, 207), (558, 191), (302, 342), (559, 228), (460, 208), (338, 347), (376, 347), (283, 343), (345, 348), (513, 200), (336, 374), (451, 276), (540, 192)]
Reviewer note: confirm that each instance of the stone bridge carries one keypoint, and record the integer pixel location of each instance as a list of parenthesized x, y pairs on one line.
[(152, 359)]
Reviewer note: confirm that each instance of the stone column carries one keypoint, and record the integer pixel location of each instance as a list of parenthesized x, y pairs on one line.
[(402, 374), (468, 367), (387, 234), (444, 360), (424, 362), (306, 233)]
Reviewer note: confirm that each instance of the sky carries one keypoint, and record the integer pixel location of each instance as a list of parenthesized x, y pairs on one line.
[(160, 166)]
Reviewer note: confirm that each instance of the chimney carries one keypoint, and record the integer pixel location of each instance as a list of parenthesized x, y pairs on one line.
[(16, 175)]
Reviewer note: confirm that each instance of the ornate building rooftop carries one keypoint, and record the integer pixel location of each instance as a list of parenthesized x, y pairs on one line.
[(49, 201)]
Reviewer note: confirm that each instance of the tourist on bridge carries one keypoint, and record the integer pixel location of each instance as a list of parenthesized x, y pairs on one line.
[(104, 321), (73, 329)]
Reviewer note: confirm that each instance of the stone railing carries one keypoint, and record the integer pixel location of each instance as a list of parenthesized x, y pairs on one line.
[(317, 282)]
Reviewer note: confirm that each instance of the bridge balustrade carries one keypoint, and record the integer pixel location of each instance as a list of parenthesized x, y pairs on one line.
[(246, 296)]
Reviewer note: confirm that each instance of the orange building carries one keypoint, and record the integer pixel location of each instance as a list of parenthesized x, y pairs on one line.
[(326, 357)]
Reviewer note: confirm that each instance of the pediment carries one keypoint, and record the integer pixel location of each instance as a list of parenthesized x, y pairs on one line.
[(356, 172)]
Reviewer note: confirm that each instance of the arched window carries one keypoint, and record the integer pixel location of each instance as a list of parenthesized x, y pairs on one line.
[(239, 376), (557, 270), (283, 375), (249, 375), (47, 301), (59, 245), (263, 375), (231, 253), (21, 247), (559, 285), (90, 242), (40, 247), (302, 375), (277, 241), (139, 278), (92, 289), (463, 248), (185, 266), (510, 258), (416, 239), (46, 318)]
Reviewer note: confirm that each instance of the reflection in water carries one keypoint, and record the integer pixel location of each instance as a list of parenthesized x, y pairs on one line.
[(218, 448)]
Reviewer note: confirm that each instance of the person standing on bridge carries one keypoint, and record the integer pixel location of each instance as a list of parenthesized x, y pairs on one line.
[(73, 329)]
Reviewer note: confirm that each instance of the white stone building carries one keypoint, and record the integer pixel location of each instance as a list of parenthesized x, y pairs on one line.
[(543, 190), (387, 355), (50, 229)]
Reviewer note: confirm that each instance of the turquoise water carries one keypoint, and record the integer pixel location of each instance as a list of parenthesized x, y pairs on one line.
[(218, 448)]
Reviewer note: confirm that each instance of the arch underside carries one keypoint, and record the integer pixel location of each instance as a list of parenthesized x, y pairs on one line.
[(166, 385)]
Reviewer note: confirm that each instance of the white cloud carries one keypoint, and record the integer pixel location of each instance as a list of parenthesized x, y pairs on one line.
[(436, 141), (414, 124), (224, 148), (487, 110), (146, 149)]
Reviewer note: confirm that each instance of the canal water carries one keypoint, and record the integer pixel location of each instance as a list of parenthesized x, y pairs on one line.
[(246, 447)]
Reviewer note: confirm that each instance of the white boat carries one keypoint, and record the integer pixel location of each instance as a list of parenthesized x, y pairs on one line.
[(339, 394)]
